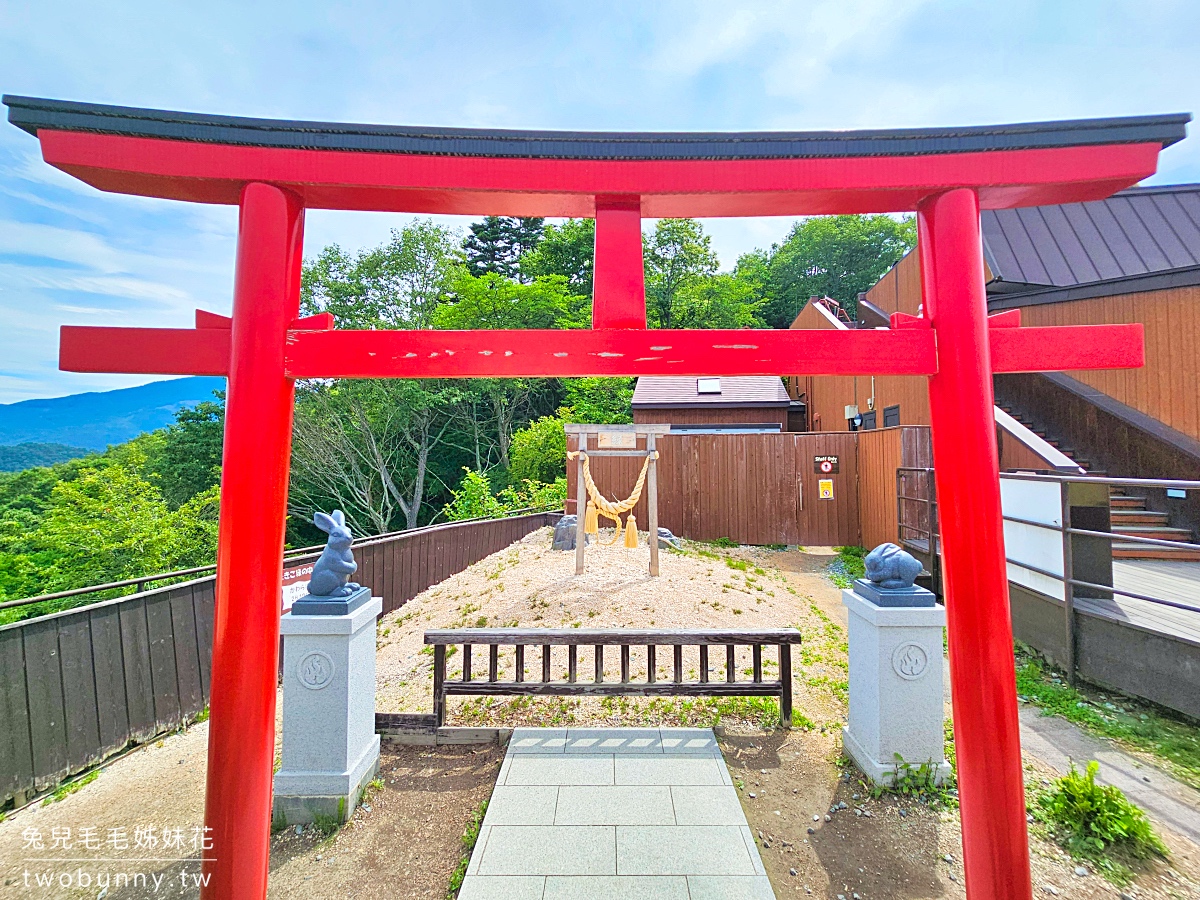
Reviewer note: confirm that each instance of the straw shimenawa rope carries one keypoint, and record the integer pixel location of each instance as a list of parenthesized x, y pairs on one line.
[(599, 505)]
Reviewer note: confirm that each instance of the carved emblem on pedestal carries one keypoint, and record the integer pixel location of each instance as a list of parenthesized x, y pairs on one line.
[(910, 661), (315, 670)]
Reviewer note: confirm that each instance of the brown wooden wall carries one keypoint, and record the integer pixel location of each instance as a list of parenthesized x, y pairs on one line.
[(1167, 387), (880, 454), (78, 685), (734, 416), (751, 488), (829, 395)]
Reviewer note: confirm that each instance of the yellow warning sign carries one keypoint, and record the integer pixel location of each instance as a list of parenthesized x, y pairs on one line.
[(825, 488)]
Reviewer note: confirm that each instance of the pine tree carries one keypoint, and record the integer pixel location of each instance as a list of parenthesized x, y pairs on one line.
[(498, 242)]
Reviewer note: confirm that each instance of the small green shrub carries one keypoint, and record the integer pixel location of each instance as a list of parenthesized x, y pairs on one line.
[(538, 452), (470, 836), (1090, 819), (727, 543), (848, 566)]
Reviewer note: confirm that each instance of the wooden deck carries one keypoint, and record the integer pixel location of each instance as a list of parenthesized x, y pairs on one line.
[(1178, 582)]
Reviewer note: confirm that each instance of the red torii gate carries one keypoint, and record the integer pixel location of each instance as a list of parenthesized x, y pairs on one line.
[(275, 170)]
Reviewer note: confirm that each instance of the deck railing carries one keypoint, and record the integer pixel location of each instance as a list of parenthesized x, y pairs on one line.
[(1077, 570)]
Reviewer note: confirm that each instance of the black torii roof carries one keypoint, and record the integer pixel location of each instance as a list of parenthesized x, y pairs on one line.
[(31, 113)]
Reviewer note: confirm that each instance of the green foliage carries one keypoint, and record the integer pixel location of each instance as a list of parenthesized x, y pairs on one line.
[(28, 455), (727, 543), (491, 301), (719, 301), (470, 836), (677, 255), (848, 566), (1139, 726), (567, 250), (834, 256), (66, 789), (538, 452), (1091, 819), (597, 401), (495, 245), (188, 461), (473, 498), (396, 285)]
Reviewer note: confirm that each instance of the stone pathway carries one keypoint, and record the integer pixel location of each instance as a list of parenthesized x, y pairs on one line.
[(594, 814)]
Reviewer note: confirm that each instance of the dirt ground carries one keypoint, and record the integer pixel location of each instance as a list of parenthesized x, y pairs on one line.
[(405, 842)]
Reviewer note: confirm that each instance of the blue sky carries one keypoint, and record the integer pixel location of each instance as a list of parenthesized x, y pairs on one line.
[(70, 254)]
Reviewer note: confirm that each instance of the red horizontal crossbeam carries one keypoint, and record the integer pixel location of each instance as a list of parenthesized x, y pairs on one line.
[(144, 351), (463, 185), (1064, 348), (511, 354)]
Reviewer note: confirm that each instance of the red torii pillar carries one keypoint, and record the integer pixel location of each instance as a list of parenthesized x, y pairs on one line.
[(265, 347)]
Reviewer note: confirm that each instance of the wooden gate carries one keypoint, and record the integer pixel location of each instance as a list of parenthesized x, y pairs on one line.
[(751, 488)]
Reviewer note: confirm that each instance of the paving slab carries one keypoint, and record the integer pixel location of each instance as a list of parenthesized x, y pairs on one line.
[(671, 770), (522, 805), (503, 887), (534, 769), (726, 887), (683, 850), (549, 850), (706, 805), (616, 886), (614, 740), (615, 805), (584, 813)]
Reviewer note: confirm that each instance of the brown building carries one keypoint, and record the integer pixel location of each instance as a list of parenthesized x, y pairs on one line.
[(1134, 257), (743, 404)]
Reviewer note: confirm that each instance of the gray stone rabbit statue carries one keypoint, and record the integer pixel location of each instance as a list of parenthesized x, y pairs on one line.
[(331, 572)]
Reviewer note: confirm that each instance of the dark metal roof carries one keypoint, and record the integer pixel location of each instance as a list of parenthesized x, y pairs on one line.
[(1138, 232), (668, 392), (32, 114)]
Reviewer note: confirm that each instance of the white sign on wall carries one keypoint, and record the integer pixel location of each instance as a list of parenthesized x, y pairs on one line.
[(1040, 547)]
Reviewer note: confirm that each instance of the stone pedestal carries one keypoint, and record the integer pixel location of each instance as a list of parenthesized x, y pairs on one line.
[(330, 748), (896, 700)]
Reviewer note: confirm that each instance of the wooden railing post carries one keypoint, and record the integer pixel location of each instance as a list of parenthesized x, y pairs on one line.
[(439, 684), (785, 685)]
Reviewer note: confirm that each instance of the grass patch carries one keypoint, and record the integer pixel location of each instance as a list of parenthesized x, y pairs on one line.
[(65, 790), (1136, 725), (470, 836), (848, 566), (740, 564), (1097, 822), (725, 543)]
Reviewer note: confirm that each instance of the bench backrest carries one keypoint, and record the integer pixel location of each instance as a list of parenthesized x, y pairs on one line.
[(623, 640)]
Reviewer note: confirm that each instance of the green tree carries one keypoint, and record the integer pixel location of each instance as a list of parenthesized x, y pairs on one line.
[(677, 255), (497, 244), (718, 301), (539, 451), (396, 285), (188, 461), (597, 401), (492, 301), (370, 448), (833, 256), (568, 250)]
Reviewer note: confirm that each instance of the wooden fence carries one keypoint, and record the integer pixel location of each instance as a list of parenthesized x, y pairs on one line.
[(764, 488), (79, 685)]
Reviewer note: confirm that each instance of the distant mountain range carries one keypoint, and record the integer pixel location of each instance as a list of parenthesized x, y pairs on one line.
[(95, 420)]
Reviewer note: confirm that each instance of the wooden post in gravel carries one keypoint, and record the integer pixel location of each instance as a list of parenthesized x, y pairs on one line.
[(580, 502), (652, 504)]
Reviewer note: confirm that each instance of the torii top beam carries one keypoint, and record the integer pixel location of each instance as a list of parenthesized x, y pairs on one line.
[(206, 158)]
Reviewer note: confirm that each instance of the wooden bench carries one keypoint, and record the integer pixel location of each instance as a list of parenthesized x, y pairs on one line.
[(623, 640)]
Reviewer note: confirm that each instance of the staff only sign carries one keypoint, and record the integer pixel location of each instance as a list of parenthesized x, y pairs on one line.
[(825, 465)]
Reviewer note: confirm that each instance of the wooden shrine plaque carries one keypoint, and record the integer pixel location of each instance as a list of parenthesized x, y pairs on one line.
[(616, 440)]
